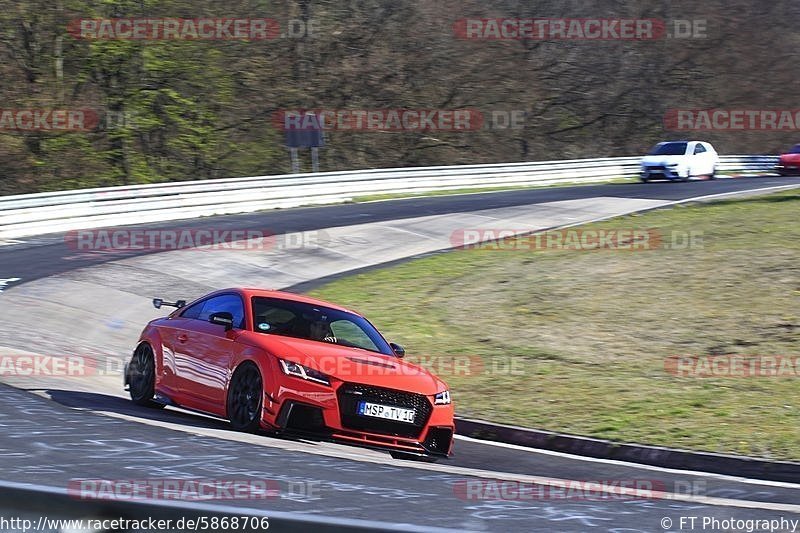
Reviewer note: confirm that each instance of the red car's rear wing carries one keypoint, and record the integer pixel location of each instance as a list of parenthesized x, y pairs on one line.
[(158, 303)]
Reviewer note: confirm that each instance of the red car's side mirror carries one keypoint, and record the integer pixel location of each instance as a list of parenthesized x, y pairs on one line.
[(223, 318)]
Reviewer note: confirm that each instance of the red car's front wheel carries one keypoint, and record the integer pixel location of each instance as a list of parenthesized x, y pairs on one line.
[(245, 394)]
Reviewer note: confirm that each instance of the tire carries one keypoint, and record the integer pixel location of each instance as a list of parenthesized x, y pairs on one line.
[(142, 375), (713, 174), (411, 457), (245, 397), (643, 179)]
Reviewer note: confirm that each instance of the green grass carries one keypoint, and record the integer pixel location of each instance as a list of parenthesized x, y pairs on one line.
[(589, 331)]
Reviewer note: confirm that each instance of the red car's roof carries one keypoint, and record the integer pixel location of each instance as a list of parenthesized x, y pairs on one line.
[(269, 293)]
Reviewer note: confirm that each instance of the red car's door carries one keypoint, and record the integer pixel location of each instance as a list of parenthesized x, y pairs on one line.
[(167, 379), (203, 352)]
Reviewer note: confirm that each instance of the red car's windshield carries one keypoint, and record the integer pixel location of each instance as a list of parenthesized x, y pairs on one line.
[(275, 316)]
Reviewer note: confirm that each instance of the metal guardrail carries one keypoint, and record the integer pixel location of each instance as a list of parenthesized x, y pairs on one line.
[(52, 212)]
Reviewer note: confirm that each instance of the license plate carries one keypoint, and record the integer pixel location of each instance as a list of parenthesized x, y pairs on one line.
[(386, 412)]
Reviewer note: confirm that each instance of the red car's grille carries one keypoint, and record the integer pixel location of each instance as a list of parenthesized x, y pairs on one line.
[(351, 394)]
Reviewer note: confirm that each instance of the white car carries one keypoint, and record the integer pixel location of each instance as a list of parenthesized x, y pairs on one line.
[(679, 160)]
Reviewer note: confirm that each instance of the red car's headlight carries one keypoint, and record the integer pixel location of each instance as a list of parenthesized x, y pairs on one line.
[(443, 398), (303, 372)]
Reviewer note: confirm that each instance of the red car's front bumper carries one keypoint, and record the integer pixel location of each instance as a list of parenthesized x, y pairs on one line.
[(332, 414)]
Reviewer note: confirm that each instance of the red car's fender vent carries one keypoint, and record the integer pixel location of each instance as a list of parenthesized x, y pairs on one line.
[(301, 417), (350, 396), (438, 440)]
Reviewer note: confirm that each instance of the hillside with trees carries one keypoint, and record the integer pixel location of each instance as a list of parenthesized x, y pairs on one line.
[(200, 109)]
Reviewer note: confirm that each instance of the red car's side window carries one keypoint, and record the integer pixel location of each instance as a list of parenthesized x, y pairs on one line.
[(193, 311), (231, 303)]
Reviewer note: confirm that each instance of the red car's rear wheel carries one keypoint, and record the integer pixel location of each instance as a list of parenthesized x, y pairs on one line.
[(142, 375)]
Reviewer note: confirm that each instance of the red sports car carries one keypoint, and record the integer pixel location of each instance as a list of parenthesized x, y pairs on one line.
[(287, 363), (789, 163)]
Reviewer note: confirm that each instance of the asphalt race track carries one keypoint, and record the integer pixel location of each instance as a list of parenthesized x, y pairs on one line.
[(44, 256), (55, 431)]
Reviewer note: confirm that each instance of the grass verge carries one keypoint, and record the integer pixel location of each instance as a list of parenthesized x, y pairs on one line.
[(576, 341)]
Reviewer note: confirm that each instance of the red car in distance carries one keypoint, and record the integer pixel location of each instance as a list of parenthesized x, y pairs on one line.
[(789, 162), (287, 363)]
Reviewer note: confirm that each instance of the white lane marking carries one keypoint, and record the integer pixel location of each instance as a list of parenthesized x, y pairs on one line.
[(4, 282), (379, 458), (724, 477), (404, 230), (743, 192)]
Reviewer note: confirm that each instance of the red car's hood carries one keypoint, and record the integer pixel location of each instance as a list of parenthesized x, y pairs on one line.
[(794, 159), (354, 365)]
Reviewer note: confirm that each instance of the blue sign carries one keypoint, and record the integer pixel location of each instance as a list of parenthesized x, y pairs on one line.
[(303, 130)]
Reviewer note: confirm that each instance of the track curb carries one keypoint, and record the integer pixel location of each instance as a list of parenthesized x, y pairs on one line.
[(678, 459)]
